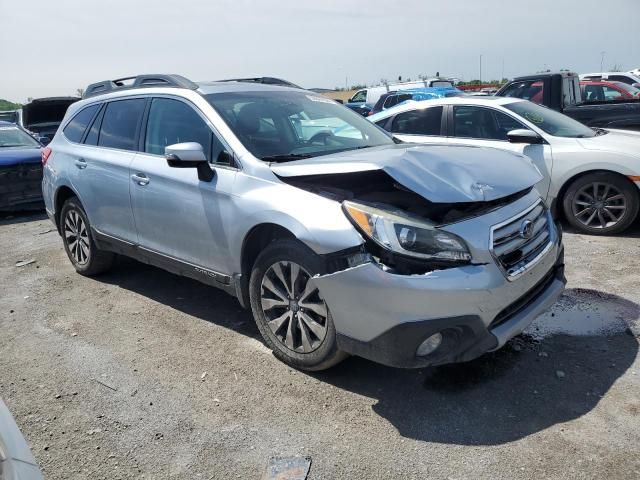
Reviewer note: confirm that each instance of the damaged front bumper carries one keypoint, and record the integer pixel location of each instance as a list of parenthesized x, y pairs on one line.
[(384, 317)]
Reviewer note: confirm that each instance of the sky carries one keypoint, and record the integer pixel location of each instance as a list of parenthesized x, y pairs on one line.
[(54, 47)]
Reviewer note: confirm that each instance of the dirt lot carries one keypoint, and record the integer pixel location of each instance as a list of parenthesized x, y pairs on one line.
[(142, 374)]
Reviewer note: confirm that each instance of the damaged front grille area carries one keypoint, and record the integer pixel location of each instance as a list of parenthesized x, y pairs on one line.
[(520, 242)]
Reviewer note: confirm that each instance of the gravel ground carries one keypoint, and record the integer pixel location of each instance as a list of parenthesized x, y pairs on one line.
[(143, 374)]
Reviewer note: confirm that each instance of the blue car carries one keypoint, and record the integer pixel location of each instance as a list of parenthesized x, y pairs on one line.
[(363, 109), (20, 169), (391, 99)]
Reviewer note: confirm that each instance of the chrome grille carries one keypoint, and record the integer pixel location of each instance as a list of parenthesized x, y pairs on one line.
[(521, 241)]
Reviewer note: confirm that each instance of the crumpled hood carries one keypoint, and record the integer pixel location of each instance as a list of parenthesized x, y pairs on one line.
[(619, 141), (17, 156), (439, 173)]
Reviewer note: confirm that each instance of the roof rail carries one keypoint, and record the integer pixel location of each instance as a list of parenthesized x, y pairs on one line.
[(139, 81), (263, 80)]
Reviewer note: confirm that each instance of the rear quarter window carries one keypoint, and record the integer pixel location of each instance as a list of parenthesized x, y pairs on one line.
[(76, 127)]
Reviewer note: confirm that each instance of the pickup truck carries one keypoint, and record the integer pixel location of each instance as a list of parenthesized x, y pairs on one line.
[(561, 91)]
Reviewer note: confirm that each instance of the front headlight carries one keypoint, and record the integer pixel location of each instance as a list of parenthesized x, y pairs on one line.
[(406, 235)]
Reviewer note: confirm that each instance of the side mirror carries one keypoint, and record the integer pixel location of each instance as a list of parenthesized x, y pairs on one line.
[(522, 135), (189, 155)]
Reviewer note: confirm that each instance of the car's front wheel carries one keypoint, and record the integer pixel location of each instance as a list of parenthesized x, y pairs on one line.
[(288, 308), (78, 241), (601, 203)]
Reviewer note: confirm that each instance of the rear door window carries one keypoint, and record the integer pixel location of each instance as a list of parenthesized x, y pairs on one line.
[(121, 124), (426, 121), (76, 127)]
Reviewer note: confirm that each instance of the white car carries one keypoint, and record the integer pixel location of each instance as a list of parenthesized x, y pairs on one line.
[(630, 78), (591, 176)]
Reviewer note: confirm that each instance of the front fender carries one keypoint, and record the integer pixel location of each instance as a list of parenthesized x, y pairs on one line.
[(622, 164), (316, 221)]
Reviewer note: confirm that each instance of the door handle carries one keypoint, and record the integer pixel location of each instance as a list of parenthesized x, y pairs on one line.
[(81, 163), (140, 178)]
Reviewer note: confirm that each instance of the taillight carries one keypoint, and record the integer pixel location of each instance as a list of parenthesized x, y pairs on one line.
[(46, 153)]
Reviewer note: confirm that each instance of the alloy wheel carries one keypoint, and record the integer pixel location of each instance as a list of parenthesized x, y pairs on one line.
[(293, 308), (77, 237), (599, 205)]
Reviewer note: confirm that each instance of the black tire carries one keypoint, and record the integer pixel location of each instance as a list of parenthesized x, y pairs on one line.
[(326, 353), (628, 196), (88, 260)]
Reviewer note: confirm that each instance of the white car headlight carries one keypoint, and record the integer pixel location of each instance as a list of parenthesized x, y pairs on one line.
[(406, 235)]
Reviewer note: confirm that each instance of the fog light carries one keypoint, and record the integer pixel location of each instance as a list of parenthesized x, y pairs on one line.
[(430, 345)]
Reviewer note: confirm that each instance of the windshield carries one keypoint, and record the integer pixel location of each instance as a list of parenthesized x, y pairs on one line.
[(550, 121), (288, 125), (14, 137)]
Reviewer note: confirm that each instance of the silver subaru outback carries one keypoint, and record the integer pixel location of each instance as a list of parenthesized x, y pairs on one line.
[(340, 239)]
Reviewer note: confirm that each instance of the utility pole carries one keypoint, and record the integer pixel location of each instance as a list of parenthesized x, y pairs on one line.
[(602, 59), (480, 68)]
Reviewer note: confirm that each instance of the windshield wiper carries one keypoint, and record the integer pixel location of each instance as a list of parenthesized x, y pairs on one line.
[(286, 158), (359, 148)]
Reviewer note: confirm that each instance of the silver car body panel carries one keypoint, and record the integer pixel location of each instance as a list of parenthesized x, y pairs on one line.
[(16, 460)]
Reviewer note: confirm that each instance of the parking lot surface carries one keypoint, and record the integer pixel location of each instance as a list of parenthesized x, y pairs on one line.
[(142, 374)]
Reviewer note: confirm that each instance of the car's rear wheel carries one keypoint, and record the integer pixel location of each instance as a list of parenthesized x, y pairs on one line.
[(288, 308), (78, 241), (601, 203)]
